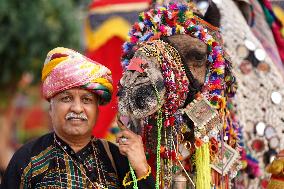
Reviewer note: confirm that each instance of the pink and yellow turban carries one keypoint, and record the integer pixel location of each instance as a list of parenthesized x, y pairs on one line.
[(65, 69)]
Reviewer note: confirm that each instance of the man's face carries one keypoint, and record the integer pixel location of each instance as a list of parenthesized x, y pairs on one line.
[(74, 112)]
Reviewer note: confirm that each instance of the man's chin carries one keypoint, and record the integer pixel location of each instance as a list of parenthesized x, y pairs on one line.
[(76, 132), (77, 122), (77, 129)]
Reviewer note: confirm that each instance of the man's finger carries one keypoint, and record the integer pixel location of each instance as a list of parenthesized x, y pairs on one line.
[(123, 149), (121, 125), (123, 141), (123, 152), (126, 134)]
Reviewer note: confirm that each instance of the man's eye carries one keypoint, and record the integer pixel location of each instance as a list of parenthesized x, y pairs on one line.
[(66, 99), (87, 100)]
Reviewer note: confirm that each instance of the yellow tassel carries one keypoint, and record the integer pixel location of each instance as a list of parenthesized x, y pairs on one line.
[(276, 167), (203, 175)]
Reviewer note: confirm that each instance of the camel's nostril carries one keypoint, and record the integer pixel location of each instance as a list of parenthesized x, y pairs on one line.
[(141, 94), (140, 103)]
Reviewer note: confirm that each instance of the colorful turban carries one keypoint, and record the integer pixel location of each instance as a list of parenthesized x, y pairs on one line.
[(65, 69)]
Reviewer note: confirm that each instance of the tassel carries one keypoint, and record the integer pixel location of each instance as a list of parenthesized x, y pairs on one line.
[(203, 176)]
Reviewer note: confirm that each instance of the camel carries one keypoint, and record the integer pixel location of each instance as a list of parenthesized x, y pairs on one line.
[(176, 89)]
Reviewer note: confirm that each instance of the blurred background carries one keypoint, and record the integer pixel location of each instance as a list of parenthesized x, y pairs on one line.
[(98, 28)]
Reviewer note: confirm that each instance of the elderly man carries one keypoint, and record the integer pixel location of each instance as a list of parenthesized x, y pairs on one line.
[(71, 157)]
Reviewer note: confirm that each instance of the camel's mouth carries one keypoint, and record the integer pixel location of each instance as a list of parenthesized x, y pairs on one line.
[(139, 98)]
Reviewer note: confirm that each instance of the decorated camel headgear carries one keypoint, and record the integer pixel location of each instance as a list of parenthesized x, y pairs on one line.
[(65, 69), (214, 128)]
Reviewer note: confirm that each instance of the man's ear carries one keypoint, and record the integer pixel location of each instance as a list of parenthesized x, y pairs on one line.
[(50, 107)]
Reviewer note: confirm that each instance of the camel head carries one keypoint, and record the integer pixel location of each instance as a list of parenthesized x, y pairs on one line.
[(177, 81), (169, 63)]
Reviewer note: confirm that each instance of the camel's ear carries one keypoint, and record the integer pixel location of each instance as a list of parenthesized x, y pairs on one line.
[(213, 15)]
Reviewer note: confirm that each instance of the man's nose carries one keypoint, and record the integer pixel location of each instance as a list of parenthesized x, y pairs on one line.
[(77, 106)]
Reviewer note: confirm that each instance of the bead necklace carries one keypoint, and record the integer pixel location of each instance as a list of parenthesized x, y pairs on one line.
[(99, 164), (134, 178), (159, 124), (95, 185)]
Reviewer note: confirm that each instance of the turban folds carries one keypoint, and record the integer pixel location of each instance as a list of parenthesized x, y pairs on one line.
[(65, 69)]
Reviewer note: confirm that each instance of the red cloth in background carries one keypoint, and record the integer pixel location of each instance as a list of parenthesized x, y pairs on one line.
[(101, 3), (278, 39), (109, 55)]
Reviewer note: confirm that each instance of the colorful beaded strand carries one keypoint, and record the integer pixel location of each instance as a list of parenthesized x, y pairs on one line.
[(134, 178), (159, 124)]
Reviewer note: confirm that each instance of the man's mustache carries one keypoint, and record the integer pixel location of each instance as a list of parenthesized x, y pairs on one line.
[(72, 115)]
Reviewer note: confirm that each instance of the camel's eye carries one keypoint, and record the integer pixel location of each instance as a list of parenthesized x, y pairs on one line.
[(199, 56), (196, 57)]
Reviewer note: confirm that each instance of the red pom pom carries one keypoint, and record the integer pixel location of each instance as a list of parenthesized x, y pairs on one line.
[(214, 44)]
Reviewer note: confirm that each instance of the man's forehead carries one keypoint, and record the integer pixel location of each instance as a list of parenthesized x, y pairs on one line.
[(76, 91)]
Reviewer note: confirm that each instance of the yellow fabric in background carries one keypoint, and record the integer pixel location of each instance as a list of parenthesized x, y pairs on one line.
[(279, 12), (112, 27)]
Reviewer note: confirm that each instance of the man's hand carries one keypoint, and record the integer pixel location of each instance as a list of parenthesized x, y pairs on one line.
[(131, 145)]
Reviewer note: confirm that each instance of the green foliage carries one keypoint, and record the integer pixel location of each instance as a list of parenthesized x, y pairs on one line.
[(28, 30)]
